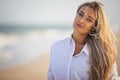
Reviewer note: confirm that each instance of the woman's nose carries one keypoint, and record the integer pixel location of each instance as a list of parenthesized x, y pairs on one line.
[(82, 20)]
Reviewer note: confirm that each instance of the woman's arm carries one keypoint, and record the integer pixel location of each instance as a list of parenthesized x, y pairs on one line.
[(50, 74)]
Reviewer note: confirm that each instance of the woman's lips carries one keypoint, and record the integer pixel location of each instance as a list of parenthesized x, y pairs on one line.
[(79, 25)]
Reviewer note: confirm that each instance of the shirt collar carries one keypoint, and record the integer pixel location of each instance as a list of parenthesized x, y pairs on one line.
[(85, 48)]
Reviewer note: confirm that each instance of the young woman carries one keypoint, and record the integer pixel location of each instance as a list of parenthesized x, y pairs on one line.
[(89, 54)]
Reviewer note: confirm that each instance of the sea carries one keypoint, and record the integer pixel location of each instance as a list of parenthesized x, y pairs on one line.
[(20, 44)]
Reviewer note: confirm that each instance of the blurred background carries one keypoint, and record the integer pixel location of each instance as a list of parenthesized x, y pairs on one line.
[(28, 28)]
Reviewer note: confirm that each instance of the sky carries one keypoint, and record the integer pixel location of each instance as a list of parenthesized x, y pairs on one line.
[(54, 12)]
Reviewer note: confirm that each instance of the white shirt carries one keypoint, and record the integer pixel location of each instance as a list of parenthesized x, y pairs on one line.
[(65, 66)]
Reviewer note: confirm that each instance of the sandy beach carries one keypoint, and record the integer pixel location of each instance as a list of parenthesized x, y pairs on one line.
[(35, 70)]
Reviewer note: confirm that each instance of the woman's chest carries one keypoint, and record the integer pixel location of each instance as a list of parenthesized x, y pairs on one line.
[(80, 68)]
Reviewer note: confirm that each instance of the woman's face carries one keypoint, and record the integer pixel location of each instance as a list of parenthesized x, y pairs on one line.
[(84, 20)]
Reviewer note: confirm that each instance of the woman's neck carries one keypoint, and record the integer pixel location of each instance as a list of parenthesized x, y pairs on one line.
[(79, 38)]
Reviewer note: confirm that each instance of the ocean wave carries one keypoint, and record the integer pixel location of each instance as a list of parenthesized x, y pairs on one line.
[(19, 48)]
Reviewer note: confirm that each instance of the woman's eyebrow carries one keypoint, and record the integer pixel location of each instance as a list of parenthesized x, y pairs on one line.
[(81, 12)]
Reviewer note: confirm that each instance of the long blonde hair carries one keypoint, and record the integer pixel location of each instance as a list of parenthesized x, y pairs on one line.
[(102, 41)]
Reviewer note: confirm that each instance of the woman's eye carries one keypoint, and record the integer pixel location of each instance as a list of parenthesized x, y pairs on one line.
[(80, 14), (89, 20)]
